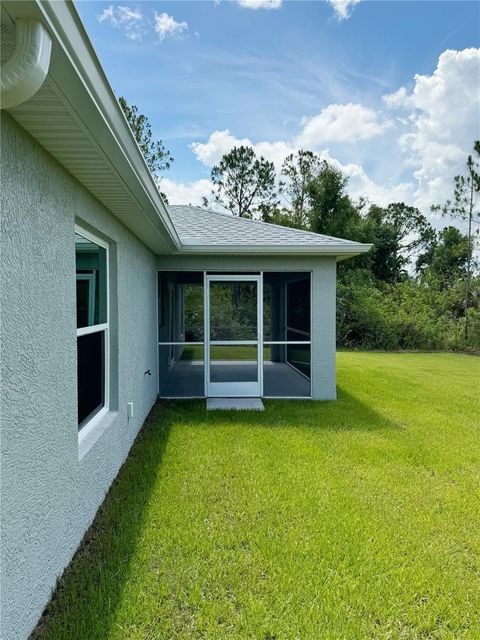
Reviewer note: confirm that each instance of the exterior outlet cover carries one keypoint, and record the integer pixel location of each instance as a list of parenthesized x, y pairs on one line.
[(130, 410)]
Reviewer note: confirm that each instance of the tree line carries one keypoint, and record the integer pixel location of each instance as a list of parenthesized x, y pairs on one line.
[(417, 288)]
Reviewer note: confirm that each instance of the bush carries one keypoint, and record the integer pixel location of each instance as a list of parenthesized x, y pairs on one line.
[(405, 315)]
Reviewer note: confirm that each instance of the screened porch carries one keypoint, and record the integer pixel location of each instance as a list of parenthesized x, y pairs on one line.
[(234, 334)]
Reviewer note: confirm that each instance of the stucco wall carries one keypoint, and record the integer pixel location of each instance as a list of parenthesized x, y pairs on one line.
[(48, 495), (323, 302)]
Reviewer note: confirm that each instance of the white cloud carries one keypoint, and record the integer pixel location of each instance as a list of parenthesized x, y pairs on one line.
[(260, 4), (185, 192), (123, 17), (221, 142), (276, 152), (132, 22), (397, 100), (444, 121), (439, 119), (343, 8), (166, 25), (342, 123), (360, 185)]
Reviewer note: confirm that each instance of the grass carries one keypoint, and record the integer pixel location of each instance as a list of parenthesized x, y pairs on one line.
[(338, 520), (238, 352)]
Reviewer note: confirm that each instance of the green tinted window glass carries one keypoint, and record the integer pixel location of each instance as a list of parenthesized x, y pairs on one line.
[(91, 267)]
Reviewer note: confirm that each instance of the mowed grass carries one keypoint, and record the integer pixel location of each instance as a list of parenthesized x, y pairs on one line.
[(338, 520), (238, 352)]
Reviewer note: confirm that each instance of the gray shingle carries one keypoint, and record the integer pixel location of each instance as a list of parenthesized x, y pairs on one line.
[(203, 227)]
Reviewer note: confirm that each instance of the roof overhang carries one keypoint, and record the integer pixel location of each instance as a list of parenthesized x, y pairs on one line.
[(82, 125)]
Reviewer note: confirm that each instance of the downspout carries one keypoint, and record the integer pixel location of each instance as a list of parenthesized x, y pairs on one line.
[(25, 71)]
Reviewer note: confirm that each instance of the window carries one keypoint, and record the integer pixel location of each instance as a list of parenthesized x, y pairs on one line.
[(91, 258)]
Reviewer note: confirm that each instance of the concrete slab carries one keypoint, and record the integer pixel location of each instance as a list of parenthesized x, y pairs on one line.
[(237, 404)]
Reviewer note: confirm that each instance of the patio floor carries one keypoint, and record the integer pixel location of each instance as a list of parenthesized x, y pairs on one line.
[(279, 379)]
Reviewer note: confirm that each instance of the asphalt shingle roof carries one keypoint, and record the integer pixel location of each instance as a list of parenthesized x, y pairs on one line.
[(203, 227)]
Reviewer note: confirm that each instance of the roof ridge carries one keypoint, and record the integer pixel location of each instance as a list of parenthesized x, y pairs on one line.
[(261, 222)]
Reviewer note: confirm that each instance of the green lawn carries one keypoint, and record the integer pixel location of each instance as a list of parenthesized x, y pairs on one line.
[(326, 521), (241, 352)]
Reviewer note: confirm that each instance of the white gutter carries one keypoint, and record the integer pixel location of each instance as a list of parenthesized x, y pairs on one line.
[(339, 249), (25, 71)]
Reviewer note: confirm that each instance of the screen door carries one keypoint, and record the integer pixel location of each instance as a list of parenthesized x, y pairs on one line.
[(233, 358)]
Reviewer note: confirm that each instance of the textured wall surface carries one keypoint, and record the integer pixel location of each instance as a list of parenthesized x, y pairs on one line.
[(49, 496), (323, 302)]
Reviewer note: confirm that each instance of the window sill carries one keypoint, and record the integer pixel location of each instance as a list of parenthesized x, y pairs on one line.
[(92, 431)]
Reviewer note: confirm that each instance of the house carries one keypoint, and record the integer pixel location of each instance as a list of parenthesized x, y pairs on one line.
[(109, 299)]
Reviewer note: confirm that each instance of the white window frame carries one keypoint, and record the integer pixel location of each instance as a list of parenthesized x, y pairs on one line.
[(90, 278), (88, 426)]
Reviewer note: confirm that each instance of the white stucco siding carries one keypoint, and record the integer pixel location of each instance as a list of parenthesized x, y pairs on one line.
[(49, 496), (323, 271)]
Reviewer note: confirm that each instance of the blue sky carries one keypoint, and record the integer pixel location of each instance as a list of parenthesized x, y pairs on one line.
[(310, 74)]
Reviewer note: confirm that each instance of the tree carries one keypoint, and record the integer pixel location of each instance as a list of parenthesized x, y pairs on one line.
[(446, 257), (397, 232), (465, 198), (280, 216), (298, 171), (331, 210), (243, 183), (157, 157)]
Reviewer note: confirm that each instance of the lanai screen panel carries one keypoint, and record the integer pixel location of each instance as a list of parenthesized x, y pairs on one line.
[(287, 334), (181, 334)]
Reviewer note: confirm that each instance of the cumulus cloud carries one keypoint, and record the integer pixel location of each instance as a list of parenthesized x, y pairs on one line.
[(166, 25), (343, 8), (397, 100), (185, 192), (360, 185), (342, 123), (444, 120), (125, 18), (440, 120), (335, 123), (221, 142), (260, 4)]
